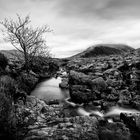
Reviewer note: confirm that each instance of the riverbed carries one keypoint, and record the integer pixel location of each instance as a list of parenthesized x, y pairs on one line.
[(49, 90)]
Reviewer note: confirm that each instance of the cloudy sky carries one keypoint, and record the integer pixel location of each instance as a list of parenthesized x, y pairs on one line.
[(78, 24)]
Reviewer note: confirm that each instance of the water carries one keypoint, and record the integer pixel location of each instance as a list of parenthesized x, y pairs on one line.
[(114, 111), (49, 90)]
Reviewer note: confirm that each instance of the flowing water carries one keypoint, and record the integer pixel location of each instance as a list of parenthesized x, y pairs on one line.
[(49, 90), (114, 111)]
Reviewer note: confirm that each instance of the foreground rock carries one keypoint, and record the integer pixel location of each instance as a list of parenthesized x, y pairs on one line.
[(85, 88), (36, 120), (114, 131), (64, 83), (67, 129)]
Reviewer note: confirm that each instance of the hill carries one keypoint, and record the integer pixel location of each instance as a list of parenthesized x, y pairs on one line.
[(104, 49), (12, 54)]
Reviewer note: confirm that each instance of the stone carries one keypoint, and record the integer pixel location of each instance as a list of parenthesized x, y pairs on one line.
[(81, 94), (114, 131), (68, 128), (99, 84), (64, 83), (76, 78)]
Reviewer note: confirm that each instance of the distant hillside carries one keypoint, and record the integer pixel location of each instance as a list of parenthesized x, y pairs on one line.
[(138, 51), (12, 54), (104, 49)]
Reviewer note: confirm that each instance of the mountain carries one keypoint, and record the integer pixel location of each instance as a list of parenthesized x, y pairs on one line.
[(104, 49)]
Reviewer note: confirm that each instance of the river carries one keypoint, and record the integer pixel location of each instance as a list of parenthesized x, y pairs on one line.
[(49, 90)]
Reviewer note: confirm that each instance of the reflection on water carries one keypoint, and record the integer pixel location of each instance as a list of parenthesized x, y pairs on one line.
[(49, 90)]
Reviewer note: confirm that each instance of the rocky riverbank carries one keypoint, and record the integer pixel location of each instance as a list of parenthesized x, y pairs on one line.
[(99, 83)]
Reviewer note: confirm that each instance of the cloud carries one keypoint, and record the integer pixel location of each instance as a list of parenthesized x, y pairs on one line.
[(78, 24), (107, 9)]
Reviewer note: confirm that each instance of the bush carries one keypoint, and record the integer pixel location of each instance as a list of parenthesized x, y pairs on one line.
[(3, 61), (38, 64), (27, 82), (7, 86), (43, 65), (7, 115)]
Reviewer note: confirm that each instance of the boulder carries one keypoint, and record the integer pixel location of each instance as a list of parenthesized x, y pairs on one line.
[(99, 84), (78, 78), (81, 94), (132, 121), (114, 131), (64, 83)]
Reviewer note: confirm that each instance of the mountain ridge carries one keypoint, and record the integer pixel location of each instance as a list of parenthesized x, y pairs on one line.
[(103, 50)]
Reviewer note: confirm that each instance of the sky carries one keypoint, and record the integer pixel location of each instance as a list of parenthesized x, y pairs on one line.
[(78, 24)]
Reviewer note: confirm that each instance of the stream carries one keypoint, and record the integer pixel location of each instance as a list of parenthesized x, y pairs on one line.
[(49, 90)]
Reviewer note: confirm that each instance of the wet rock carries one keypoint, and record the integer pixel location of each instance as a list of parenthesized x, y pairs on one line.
[(81, 94), (106, 105), (53, 102), (64, 83), (132, 120), (114, 131)]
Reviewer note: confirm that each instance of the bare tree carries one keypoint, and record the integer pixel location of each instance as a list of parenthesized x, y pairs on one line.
[(27, 40)]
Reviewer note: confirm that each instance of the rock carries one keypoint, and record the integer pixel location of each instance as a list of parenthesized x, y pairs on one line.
[(99, 84), (34, 109), (114, 83), (32, 101), (114, 131), (68, 128), (64, 83), (124, 98), (81, 94), (112, 97), (106, 105), (135, 102), (76, 78), (53, 102), (110, 71), (86, 69), (132, 120)]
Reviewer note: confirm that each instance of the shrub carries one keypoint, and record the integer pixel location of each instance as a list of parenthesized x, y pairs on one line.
[(7, 86), (27, 82), (3, 61), (7, 115), (43, 65)]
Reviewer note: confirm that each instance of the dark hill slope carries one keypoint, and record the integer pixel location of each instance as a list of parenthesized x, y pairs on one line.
[(104, 49)]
